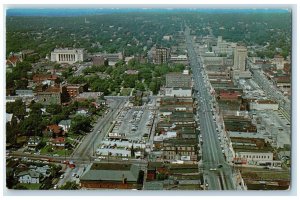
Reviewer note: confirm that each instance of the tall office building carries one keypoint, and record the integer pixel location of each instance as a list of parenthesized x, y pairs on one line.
[(240, 56), (161, 55)]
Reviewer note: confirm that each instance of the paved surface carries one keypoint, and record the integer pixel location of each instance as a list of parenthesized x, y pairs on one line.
[(93, 139), (216, 178), (273, 92)]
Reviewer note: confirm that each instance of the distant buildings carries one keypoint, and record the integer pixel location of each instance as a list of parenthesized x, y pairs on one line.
[(66, 55), (223, 47), (279, 62), (112, 58), (99, 60)]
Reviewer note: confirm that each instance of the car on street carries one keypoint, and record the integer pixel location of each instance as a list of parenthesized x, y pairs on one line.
[(62, 176)]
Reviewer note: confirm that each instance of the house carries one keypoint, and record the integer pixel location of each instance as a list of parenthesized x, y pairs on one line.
[(65, 125), (33, 142), (13, 60), (29, 176), (58, 142), (82, 112), (55, 130), (45, 78), (132, 72), (44, 170), (9, 117), (112, 176)]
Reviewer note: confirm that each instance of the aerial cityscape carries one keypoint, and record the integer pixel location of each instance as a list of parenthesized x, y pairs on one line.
[(148, 99)]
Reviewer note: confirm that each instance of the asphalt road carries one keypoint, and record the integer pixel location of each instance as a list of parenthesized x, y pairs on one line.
[(88, 145), (217, 173), (273, 92)]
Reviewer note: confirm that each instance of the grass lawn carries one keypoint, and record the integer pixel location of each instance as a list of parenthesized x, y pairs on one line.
[(125, 91), (32, 186)]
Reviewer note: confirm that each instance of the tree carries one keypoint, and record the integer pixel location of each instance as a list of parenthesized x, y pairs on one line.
[(70, 186), (80, 124), (54, 109), (17, 108)]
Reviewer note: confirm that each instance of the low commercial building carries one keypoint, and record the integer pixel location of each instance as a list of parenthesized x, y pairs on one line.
[(99, 60), (178, 80), (178, 149), (178, 92), (251, 151), (111, 58), (112, 176), (181, 59), (89, 95), (263, 105), (51, 95)]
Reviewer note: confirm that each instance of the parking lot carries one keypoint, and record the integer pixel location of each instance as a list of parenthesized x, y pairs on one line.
[(130, 129)]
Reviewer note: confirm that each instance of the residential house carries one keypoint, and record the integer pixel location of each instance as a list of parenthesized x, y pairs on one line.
[(49, 79), (65, 125), (55, 130), (9, 117), (13, 60), (29, 176), (58, 142), (83, 112), (33, 142)]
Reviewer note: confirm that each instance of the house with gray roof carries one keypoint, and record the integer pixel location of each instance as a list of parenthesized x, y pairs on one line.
[(65, 124), (29, 176)]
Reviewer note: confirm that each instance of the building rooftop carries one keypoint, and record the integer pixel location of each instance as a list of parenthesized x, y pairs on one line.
[(111, 172)]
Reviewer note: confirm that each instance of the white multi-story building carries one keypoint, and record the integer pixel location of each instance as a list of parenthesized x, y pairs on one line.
[(66, 55), (178, 92), (240, 56)]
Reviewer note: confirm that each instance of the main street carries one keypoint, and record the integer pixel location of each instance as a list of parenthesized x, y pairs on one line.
[(217, 173)]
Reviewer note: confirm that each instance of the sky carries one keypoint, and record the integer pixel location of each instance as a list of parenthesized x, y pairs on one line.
[(96, 11)]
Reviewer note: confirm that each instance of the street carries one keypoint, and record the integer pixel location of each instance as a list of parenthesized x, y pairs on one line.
[(217, 172)]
